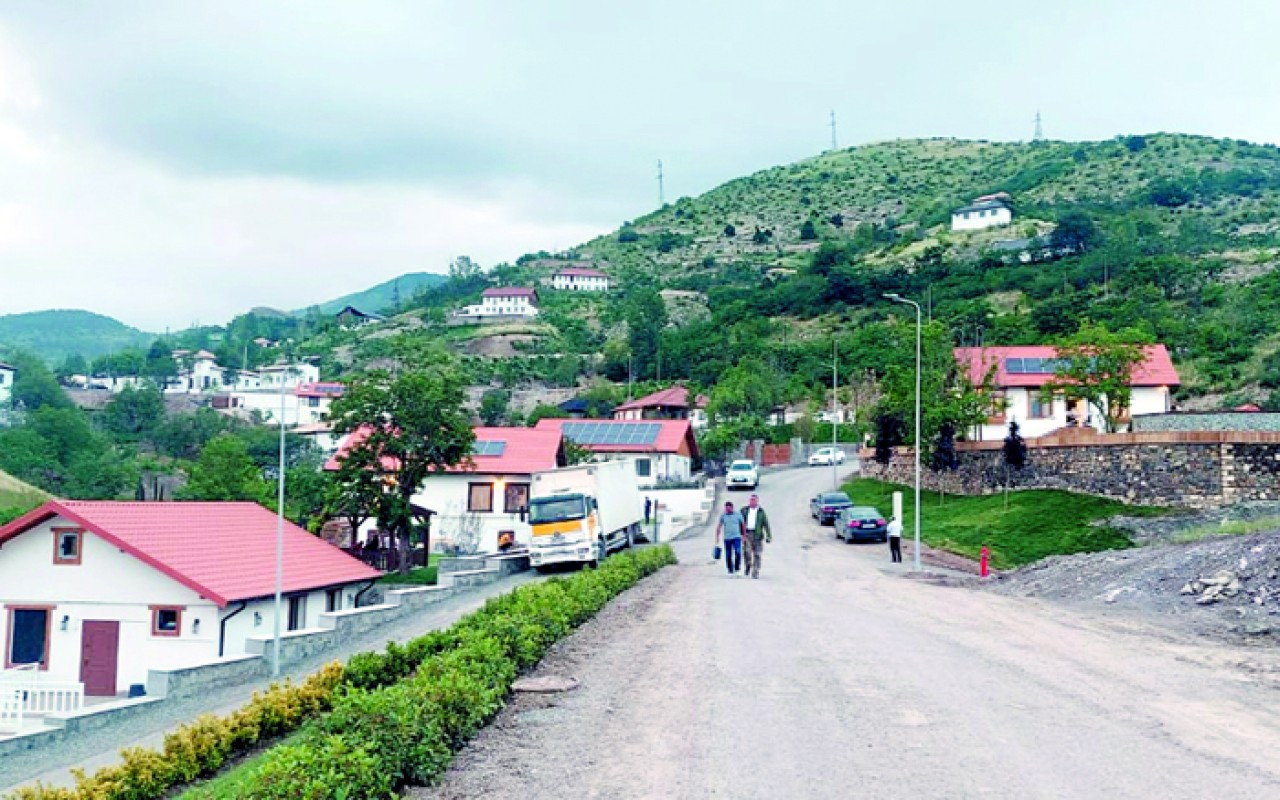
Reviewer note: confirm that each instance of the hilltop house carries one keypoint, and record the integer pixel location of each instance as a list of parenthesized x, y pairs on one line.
[(351, 317), (475, 504), (670, 403), (580, 279), (98, 592), (661, 450), (503, 301), (987, 211), (1021, 373)]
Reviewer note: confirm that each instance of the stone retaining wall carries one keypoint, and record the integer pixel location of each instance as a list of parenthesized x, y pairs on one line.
[(1192, 470)]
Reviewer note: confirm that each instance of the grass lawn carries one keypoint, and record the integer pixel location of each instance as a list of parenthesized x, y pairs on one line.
[(1037, 522), (418, 576), (17, 498)]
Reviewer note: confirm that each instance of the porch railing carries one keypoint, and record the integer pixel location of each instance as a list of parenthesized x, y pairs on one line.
[(11, 710), (38, 694)]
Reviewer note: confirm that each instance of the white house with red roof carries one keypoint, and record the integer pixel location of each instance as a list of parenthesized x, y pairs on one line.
[(503, 301), (1021, 373), (305, 405), (100, 592), (660, 449), (672, 403), (580, 279), (475, 504)]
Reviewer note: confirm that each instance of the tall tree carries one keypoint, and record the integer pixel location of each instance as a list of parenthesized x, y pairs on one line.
[(1097, 366), (412, 426), (225, 472), (646, 316), (133, 412)]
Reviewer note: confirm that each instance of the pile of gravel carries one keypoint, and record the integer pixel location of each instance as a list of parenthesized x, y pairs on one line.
[(1228, 584)]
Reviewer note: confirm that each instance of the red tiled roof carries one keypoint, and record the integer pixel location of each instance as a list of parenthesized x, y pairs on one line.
[(676, 396), (582, 272), (224, 551), (1157, 370), (526, 450), (509, 291), (674, 435), (320, 390)]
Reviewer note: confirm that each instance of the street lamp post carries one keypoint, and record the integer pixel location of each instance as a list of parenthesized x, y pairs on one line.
[(279, 604), (899, 299), (835, 416)]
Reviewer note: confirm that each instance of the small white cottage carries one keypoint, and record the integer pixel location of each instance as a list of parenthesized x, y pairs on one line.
[(99, 592)]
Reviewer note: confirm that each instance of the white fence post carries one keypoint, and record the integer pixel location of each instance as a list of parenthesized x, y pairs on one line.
[(10, 710)]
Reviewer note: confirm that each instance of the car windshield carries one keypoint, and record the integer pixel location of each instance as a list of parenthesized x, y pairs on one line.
[(835, 497), (863, 512), (742, 465), (556, 509)]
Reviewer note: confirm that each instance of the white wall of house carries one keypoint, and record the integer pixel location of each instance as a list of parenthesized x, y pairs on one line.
[(206, 375), (981, 218), (1021, 402), (510, 306), (288, 376), (108, 585), (258, 616), (296, 410), (6, 383), (457, 522), (580, 283)]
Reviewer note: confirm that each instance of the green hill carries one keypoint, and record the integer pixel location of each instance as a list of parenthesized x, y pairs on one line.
[(17, 498), (55, 334), (385, 296)]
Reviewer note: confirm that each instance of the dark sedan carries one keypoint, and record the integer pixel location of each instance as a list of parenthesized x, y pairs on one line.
[(862, 523), (826, 506)]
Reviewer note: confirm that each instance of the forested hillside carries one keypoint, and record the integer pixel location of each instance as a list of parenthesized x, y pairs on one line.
[(53, 335)]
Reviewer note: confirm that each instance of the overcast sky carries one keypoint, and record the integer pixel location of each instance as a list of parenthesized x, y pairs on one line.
[(172, 162)]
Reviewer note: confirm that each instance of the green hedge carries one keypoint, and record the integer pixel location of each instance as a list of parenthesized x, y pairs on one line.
[(395, 717)]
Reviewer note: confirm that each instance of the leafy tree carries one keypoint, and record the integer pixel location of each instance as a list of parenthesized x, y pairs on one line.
[(542, 411), (464, 269), (575, 453), (1075, 233), (133, 412), (1098, 365), (412, 425), (74, 364), (1169, 193), (185, 435), (807, 231), (730, 231), (944, 452), (646, 316), (762, 236), (34, 387), (493, 406), (627, 235), (890, 433), (748, 390), (225, 472)]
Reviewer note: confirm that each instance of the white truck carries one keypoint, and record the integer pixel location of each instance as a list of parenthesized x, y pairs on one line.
[(581, 514)]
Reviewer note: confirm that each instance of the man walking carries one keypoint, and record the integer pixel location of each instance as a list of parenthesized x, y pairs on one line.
[(731, 527), (756, 523), (895, 540)]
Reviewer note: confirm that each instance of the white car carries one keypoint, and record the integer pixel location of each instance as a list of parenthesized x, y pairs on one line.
[(827, 456), (742, 475)]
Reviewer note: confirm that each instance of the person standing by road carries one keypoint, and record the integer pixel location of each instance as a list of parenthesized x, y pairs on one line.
[(756, 523), (895, 540), (730, 528)]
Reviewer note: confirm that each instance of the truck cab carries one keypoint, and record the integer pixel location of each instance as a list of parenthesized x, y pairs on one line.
[(565, 528), (580, 514)]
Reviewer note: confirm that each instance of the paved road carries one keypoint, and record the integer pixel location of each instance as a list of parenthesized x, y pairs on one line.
[(835, 674)]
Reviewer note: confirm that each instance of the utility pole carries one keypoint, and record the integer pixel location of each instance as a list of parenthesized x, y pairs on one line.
[(834, 146), (1039, 128), (662, 192), (835, 413)]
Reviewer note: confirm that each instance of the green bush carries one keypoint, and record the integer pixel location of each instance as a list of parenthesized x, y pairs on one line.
[(394, 718)]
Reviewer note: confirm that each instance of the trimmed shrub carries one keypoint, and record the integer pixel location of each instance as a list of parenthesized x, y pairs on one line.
[(394, 718)]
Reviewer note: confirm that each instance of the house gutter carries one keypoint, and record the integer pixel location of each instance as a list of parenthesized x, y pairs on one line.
[(366, 588), (222, 627)]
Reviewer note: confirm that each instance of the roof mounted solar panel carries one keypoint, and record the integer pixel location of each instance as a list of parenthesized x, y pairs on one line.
[(488, 448), (1013, 366)]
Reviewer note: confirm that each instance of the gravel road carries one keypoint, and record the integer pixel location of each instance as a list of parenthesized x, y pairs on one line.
[(838, 673)]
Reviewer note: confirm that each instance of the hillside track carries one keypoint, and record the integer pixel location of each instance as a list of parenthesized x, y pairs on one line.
[(836, 673)]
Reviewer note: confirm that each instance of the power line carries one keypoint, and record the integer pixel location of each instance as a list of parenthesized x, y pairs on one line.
[(1039, 128), (662, 193), (834, 146)]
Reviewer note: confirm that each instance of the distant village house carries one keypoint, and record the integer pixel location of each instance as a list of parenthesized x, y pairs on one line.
[(580, 279), (988, 211)]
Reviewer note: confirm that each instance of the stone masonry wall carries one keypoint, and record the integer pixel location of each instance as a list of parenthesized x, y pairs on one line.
[(1183, 470)]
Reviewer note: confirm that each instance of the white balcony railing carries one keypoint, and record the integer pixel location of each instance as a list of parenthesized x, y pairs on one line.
[(11, 711), (38, 694)]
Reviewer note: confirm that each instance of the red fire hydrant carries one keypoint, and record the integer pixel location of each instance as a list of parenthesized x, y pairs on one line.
[(986, 556)]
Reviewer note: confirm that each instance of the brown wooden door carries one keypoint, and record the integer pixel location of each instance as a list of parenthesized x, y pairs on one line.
[(99, 649)]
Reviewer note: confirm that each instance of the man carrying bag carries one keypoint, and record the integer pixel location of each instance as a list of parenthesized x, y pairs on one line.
[(730, 528)]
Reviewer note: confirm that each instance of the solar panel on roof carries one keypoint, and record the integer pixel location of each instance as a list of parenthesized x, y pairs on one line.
[(612, 433), (1013, 366), (488, 448)]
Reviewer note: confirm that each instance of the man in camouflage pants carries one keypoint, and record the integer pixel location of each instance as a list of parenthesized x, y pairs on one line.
[(758, 532)]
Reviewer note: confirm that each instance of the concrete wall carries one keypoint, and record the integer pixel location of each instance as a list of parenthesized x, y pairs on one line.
[(1194, 470), (1018, 401)]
